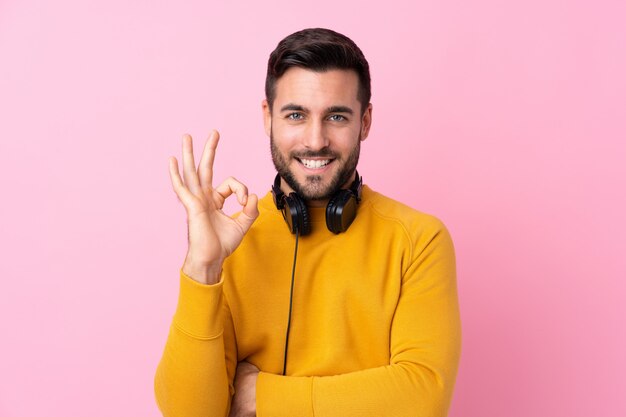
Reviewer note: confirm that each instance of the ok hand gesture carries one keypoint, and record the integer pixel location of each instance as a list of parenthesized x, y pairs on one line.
[(213, 235)]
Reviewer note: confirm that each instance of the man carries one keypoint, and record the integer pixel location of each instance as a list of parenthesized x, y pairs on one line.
[(350, 308)]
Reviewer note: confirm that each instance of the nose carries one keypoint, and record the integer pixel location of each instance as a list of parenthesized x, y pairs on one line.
[(315, 137)]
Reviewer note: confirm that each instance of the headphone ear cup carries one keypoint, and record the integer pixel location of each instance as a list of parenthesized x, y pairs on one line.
[(305, 221), (296, 214), (331, 209), (340, 211)]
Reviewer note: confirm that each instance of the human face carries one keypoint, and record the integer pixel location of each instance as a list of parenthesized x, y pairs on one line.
[(315, 128)]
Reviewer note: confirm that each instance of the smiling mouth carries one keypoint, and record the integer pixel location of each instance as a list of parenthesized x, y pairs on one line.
[(314, 163)]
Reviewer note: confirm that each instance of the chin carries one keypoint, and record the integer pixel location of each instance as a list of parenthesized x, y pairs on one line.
[(315, 189)]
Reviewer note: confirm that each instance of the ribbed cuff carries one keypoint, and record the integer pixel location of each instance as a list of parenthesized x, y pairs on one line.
[(199, 311), (287, 396)]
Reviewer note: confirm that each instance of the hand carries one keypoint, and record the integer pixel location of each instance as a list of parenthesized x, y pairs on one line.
[(213, 235), (244, 400)]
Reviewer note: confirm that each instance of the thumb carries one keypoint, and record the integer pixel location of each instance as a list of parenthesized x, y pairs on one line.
[(249, 213)]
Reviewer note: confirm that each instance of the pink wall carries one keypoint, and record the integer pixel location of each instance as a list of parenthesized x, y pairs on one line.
[(506, 119)]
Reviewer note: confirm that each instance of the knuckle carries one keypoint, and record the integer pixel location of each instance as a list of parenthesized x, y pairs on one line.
[(235, 184)]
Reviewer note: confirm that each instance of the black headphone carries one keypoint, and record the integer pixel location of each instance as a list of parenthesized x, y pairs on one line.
[(340, 210)]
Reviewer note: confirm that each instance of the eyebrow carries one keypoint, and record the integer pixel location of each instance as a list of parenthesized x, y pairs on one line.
[(292, 107), (331, 109), (339, 109)]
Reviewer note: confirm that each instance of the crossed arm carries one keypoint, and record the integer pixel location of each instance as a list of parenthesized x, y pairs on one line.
[(195, 372)]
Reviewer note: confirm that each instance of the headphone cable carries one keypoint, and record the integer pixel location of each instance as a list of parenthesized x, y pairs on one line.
[(293, 274)]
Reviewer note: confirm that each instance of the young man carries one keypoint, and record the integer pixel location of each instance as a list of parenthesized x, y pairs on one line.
[(362, 320)]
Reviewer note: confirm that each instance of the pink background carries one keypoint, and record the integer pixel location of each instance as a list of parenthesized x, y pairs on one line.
[(505, 119)]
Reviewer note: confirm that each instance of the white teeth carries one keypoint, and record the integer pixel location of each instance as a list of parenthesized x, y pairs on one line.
[(315, 163)]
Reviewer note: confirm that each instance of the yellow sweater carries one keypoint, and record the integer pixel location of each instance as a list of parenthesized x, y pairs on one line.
[(375, 325)]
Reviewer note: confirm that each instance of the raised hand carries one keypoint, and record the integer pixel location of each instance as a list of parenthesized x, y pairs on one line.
[(213, 235)]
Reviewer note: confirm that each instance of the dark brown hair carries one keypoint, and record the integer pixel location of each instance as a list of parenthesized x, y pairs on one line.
[(318, 50)]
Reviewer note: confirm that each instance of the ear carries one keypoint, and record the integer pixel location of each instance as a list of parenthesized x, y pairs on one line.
[(267, 118), (366, 122)]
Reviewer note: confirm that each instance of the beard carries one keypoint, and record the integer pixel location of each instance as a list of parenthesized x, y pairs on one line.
[(313, 189)]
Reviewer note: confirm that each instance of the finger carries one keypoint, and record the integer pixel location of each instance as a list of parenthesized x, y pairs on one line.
[(249, 213), (205, 168), (189, 167), (232, 185), (177, 183)]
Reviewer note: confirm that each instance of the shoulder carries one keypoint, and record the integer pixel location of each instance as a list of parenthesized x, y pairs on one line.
[(393, 211), (428, 239)]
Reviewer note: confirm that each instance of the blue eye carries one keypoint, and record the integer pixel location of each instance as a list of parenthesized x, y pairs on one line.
[(295, 116), (336, 118)]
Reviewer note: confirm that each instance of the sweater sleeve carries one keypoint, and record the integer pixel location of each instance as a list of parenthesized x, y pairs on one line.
[(194, 377), (424, 353)]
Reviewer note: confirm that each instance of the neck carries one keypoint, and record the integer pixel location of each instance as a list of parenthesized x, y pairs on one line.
[(317, 203)]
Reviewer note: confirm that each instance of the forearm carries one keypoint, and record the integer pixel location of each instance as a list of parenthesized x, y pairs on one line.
[(191, 379), (406, 389)]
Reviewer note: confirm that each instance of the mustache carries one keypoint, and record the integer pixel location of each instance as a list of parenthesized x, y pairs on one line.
[(322, 153)]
